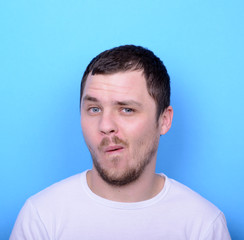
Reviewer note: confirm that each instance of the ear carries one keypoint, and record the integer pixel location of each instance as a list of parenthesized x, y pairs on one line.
[(165, 120)]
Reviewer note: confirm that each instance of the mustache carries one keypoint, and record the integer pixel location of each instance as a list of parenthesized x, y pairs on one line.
[(116, 140)]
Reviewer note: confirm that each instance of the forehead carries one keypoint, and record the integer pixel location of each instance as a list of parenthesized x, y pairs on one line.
[(118, 85)]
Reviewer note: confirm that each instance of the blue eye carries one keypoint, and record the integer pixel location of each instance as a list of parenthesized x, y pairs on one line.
[(128, 110), (94, 109)]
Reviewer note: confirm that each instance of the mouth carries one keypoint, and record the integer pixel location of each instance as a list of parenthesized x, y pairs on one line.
[(113, 149)]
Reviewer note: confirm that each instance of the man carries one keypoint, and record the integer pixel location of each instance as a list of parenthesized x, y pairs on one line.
[(125, 107)]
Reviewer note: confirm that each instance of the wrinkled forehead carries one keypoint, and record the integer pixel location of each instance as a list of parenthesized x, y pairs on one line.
[(120, 83)]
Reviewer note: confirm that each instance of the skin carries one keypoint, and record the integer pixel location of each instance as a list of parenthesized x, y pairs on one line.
[(118, 119)]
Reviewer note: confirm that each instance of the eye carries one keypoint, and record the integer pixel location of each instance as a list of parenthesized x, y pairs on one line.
[(94, 110), (128, 110)]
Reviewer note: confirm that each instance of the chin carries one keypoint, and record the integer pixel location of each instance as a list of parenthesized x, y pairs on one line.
[(118, 176)]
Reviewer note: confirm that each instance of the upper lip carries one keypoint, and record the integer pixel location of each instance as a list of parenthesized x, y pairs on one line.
[(113, 148)]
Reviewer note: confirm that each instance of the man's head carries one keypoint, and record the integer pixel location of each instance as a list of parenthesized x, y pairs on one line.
[(129, 58), (120, 100)]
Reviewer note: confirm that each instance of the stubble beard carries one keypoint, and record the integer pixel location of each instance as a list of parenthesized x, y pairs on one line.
[(130, 174)]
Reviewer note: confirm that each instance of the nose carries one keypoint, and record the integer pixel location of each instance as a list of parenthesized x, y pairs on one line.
[(107, 124)]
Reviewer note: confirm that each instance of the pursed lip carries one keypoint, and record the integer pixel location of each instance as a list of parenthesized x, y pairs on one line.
[(113, 148)]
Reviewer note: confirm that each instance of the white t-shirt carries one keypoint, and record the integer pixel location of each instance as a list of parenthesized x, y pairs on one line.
[(70, 210)]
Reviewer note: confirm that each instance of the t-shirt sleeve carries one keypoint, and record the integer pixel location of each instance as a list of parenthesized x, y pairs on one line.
[(29, 224), (218, 229)]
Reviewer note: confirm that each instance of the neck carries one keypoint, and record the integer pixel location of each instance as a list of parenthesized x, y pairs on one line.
[(145, 187)]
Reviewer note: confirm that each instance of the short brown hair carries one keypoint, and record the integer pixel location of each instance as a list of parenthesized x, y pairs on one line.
[(130, 58)]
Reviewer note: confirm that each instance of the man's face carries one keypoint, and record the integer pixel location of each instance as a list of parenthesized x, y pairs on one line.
[(118, 119)]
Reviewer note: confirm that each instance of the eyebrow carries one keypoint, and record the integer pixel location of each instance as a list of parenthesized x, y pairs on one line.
[(89, 98), (120, 103), (128, 103)]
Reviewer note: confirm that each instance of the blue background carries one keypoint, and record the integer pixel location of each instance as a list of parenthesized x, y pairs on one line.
[(44, 49)]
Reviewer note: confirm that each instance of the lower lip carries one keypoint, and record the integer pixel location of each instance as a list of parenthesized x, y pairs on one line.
[(115, 151)]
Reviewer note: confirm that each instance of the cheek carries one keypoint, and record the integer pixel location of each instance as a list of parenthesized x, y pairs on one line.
[(88, 132), (142, 128), (144, 134)]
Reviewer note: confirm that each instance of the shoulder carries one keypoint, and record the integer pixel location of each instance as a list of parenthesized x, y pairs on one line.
[(59, 191), (185, 196), (47, 208), (190, 199), (200, 217), (189, 203)]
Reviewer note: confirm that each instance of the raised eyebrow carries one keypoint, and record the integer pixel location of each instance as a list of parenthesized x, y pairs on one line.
[(120, 103), (90, 98), (128, 103)]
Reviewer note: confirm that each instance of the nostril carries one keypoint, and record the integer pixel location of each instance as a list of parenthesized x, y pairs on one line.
[(107, 124), (108, 131)]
